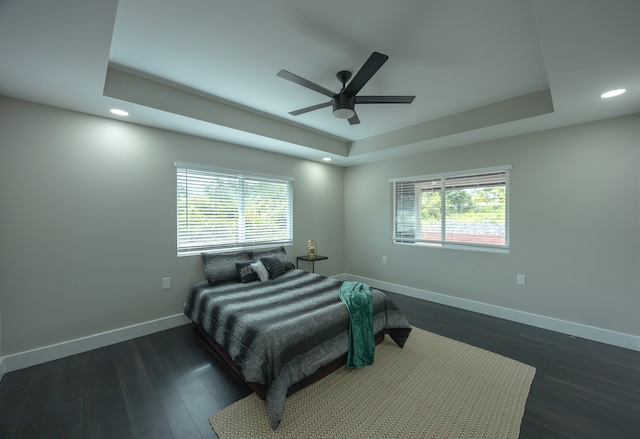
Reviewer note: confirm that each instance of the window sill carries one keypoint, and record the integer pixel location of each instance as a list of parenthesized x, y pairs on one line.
[(472, 248)]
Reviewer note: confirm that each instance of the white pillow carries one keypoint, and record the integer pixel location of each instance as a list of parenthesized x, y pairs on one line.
[(262, 271)]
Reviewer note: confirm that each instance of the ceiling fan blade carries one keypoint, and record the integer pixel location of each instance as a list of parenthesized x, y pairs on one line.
[(311, 108), (384, 99), (305, 83), (353, 120), (373, 64)]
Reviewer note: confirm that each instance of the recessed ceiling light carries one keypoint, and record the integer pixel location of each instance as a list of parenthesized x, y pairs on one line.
[(327, 159), (612, 93), (119, 112)]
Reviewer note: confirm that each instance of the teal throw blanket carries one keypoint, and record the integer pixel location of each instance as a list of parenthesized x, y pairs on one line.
[(357, 297)]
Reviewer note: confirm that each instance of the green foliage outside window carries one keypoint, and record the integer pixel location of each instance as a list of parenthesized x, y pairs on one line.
[(467, 206)]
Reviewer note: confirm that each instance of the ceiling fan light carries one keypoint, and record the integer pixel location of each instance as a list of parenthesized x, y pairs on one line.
[(343, 106), (343, 113)]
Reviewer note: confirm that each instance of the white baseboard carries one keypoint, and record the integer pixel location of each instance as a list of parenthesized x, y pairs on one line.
[(32, 357), (614, 338)]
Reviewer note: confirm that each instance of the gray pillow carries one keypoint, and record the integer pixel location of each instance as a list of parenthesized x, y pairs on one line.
[(274, 266), (221, 267), (246, 273), (280, 253)]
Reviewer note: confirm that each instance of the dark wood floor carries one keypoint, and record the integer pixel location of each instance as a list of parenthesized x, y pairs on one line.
[(166, 385)]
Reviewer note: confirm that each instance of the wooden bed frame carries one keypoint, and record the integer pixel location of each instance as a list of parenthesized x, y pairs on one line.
[(261, 389)]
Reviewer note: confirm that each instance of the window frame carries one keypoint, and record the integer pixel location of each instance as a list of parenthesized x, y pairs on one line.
[(412, 209), (191, 244)]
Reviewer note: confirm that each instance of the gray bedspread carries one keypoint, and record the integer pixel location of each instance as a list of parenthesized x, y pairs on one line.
[(281, 331)]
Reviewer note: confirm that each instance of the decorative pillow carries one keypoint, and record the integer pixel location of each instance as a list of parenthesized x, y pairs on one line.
[(246, 273), (279, 252), (274, 266), (221, 267), (259, 268)]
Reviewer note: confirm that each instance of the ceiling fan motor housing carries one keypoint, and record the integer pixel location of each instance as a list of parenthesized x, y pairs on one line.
[(343, 105)]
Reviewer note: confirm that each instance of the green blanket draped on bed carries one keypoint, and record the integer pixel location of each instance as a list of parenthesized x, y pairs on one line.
[(357, 298)]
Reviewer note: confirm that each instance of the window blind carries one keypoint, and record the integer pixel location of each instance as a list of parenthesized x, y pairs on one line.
[(223, 210)]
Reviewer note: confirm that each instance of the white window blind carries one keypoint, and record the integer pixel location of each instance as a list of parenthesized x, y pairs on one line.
[(469, 208), (225, 209)]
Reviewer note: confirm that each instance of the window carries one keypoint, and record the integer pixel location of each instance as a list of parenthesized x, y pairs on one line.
[(466, 208), (224, 209)]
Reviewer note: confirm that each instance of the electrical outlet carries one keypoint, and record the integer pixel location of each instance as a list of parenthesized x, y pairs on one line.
[(166, 283), (384, 259), (520, 279)]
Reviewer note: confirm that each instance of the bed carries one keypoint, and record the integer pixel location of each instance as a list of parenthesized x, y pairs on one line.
[(279, 326)]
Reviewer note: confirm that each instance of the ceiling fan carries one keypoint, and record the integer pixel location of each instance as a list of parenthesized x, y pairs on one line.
[(344, 101)]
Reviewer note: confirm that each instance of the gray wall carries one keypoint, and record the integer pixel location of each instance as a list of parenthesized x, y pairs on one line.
[(87, 223), (88, 220), (575, 226), (1, 356)]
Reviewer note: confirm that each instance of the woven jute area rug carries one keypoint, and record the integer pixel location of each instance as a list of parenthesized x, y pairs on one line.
[(434, 387)]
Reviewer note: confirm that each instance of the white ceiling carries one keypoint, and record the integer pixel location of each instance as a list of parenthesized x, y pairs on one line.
[(479, 69)]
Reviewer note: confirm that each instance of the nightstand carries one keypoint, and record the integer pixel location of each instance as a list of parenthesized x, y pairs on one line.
[(310, 259)]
